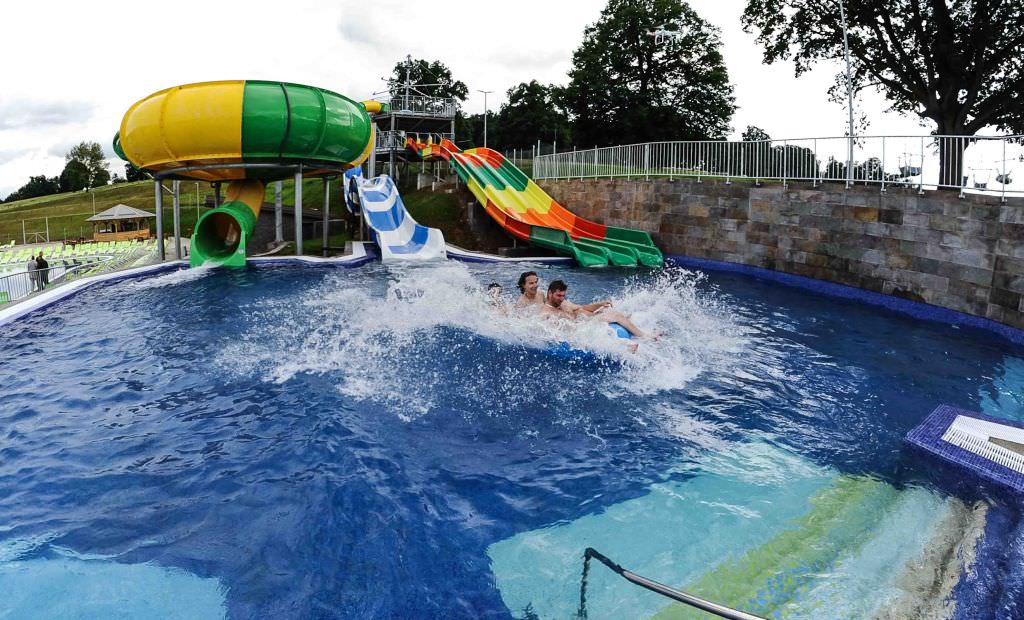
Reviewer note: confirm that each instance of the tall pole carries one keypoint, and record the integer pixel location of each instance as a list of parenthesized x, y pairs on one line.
[(176, 186), (327, 213), (298, 212), (849, 97), (158, 186), (278, 216), (485, 92), (197, 206)]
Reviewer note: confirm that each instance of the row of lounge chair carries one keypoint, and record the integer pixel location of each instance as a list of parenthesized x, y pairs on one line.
[(13, 255)]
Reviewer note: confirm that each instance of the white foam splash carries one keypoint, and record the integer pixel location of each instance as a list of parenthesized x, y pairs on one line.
[(172, 278), (371, 334)]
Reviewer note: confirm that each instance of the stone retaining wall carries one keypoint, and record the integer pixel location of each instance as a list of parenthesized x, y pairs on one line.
[(964, 254)]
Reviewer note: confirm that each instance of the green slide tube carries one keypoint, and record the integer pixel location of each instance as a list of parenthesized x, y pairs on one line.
[(221, 235)]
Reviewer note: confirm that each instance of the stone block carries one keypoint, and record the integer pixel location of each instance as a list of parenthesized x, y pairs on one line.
[(951, 240), (891, 216), (945, 223), (972, 258), (915, 219), (1012, 214), (865, 213), (985, 213), (1004, 298), (1005, 280)]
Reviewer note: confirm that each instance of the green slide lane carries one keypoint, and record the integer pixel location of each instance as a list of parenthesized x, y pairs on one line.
[(765, 579)]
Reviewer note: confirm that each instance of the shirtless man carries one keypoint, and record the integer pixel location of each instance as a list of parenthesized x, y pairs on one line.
[(557, 305), (531, 297)]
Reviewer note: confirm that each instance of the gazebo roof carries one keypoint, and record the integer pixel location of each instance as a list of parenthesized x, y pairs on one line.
[(119, 212)]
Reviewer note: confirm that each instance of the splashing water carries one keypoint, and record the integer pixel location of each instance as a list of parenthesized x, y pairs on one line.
[(400, 338)]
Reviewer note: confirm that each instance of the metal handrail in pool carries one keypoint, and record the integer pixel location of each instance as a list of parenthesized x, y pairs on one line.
[(677, 595)]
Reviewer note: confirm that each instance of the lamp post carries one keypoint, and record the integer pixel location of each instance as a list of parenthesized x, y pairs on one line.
[(485, 92), (849, 98)]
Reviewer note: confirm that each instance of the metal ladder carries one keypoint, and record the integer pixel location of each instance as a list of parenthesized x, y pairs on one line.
[(677, 595)]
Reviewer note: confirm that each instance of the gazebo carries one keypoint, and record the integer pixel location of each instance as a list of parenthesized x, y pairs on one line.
[(120, 223)]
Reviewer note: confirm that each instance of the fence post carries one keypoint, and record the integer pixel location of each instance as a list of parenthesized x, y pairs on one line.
[(817, 168), (728, 162), (699, 147), (920, 182), (883, 164), (47, 222), (785, 163), (647, 161), (595, 161), (1002, 198)]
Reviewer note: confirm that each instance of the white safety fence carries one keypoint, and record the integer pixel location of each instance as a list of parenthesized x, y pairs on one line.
[(986, 164)]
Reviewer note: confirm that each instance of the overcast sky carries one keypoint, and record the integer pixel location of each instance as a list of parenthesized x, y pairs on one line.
[(71, 69)]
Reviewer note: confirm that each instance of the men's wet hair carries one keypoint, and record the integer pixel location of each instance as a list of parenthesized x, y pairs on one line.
[(557, 285), (522, 280), (492, 286)]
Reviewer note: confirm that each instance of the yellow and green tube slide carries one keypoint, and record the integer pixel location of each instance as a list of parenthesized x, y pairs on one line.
[(246, 133)]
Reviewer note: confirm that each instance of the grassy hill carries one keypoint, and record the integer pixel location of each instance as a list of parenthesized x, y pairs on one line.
[(66, 213)]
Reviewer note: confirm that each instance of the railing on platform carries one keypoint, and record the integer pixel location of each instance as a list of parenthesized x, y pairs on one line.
[(421, 105), (984, 164)]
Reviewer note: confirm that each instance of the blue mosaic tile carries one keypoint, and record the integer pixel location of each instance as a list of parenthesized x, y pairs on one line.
[(928, 437), (915, 309)]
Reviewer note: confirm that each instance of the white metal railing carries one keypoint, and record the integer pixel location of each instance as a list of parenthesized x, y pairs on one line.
[(421, 105), (971, 163), (23, 283), (387, 140)]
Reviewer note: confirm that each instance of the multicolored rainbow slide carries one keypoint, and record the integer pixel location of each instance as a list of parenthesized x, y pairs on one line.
[(528, 213)]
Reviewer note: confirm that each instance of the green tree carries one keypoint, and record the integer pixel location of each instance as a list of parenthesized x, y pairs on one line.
[(625, 86), (131, 173), (37, 186), (959, 65), (90, 155), (426, 77), (74, 177), (531, 114), (753, 133)]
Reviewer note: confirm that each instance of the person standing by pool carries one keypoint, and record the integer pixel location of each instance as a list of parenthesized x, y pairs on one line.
[(556, 304), (44, 271), (528, 285), (33, 272)]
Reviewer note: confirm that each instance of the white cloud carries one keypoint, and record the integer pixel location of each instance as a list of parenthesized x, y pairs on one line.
[(91, 60)]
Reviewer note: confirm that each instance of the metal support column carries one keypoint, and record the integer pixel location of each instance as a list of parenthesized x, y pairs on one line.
[(298, 212), (216, 194), (278, 216), (176, 187), (158, 187), (327, 213), (391, 149)]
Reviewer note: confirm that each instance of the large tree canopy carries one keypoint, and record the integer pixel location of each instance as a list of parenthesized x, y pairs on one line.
[(531, 114), (627, 87), (90, 156), (431, 78), (959, 65)]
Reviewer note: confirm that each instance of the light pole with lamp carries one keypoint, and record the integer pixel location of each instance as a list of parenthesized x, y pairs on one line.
[(849, 98), (485, 92)]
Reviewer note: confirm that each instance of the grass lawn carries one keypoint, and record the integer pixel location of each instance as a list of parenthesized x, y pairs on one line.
[(65, 214)]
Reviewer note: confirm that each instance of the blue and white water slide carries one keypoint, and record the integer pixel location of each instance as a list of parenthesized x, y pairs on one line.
[(394, 230)]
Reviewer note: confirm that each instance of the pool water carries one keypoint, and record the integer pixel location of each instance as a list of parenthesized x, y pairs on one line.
[(381, 443)]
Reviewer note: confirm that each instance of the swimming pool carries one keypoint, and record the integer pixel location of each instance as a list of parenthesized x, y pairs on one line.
[(374, 442)]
